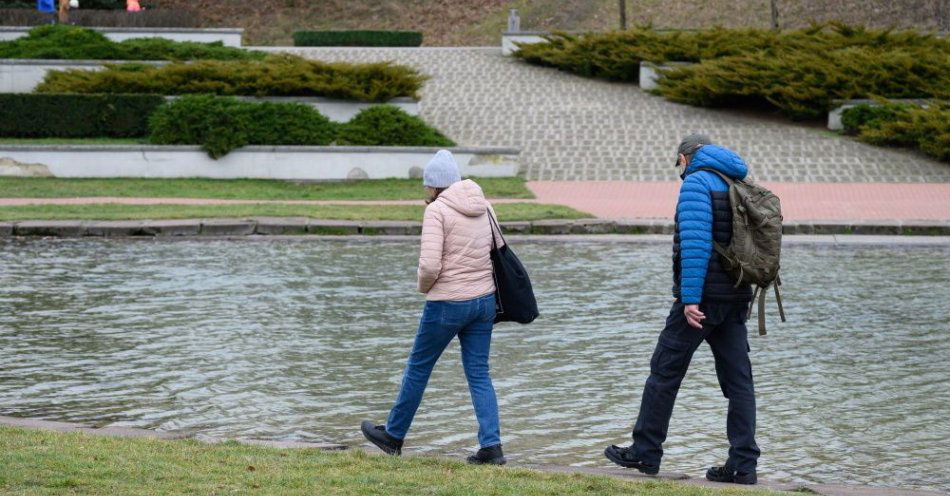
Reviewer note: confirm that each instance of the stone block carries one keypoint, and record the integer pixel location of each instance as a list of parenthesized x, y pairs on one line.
[(281, 225), (594, 226), (116, 228), (172, 228), (6, 229), (552, 227), (57, 228), (227, 227), (334, 227), (515, 227), (633, 226), (876, 227), (392, 228)]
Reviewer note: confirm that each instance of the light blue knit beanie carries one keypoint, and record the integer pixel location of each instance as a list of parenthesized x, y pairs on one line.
[(441, 171)]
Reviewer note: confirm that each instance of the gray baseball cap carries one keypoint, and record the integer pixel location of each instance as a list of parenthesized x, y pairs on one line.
[(690, 144)]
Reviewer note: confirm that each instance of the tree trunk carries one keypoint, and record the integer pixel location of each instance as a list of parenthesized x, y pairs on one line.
[(774, 14), (623, 14)]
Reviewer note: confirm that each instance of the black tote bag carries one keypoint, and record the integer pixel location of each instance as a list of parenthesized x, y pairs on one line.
[(514, 298)]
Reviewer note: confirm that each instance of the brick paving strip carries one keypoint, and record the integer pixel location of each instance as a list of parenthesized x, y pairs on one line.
[(616, 472)]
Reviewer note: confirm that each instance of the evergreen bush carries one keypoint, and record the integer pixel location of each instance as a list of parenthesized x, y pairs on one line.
[(221, 124), (276, 75), (388, 125), (57, 41), (925, 128)]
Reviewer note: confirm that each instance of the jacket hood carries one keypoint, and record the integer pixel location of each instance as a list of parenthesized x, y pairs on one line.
[(720, 159), (466, 198)]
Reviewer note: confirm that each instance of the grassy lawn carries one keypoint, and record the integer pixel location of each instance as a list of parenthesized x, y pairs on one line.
[(243, 189), (111, 211), (39, 462), (71, 141)]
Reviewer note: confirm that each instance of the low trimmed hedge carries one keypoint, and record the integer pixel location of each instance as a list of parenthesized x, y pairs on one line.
[(221, 124), (358, 38), (924, 128), (798, 72), (388, 125), (276, 75), (77, 43), (76, 116)]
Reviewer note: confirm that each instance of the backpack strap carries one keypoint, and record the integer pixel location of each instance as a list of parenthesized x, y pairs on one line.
[(761, 311), (778, 297)]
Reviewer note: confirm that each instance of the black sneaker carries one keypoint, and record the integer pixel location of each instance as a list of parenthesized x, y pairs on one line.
[(722, 474), (377, 435), (623, 456), (491, 455)]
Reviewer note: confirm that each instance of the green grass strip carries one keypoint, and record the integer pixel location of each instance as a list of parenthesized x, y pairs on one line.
[(242, 189), (112, 211), (40, 462)]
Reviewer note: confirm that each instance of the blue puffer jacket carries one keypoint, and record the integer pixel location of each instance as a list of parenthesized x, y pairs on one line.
[(703, 214)]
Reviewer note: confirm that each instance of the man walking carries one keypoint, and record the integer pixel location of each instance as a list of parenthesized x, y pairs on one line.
[(709, 306)]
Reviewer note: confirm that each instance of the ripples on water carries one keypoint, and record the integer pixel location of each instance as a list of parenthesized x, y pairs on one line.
[(301, 340)]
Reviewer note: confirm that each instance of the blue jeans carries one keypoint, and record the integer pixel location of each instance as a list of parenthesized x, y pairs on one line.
[(472, 322), (725, 331)]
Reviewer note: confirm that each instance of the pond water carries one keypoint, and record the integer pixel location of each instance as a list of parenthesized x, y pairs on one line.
[(300, 340)]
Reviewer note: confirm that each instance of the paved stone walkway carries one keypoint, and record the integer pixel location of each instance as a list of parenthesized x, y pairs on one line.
[(573, 128), (800, 202)]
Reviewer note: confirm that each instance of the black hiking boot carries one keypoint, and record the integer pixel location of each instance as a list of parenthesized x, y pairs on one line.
[(623, 456), (722, 474), (491, 455), (377, 435)]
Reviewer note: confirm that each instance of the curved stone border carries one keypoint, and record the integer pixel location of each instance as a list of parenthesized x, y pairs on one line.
[(298, 163), (268, 226)]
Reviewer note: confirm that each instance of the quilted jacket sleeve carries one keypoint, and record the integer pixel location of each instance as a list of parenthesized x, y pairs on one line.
[(695, 215), (430, 255)]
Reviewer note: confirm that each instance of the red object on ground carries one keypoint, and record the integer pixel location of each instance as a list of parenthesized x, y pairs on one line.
[(800, 201)]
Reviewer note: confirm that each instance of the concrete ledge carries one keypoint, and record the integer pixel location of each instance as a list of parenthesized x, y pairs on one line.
[(23, 75), (307, 163), (279, 226), (650, 72), (509, 40), (227, 36)]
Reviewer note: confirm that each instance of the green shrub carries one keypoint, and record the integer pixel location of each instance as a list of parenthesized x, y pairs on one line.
[(805, 84), (75, 116), (72, 43), (854, 118), (925, 128), (388, 125), (358, 38), (800, 72), (221, 124), (276, 75)]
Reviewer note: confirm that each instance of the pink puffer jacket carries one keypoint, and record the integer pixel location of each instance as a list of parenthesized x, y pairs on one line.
[(454, 264)]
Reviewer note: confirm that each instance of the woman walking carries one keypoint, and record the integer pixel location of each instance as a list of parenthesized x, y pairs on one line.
[(455, 273)]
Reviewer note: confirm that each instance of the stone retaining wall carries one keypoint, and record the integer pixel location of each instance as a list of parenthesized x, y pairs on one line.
[(297, 226), (298, 163)]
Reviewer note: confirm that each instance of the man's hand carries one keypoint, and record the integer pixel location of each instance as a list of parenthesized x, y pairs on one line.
[(694, 316)]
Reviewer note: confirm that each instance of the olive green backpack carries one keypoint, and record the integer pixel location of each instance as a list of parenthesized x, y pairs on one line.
[(752, 256)]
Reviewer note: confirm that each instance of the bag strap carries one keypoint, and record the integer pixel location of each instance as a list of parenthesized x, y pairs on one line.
[(495, 227), (729, 181)]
